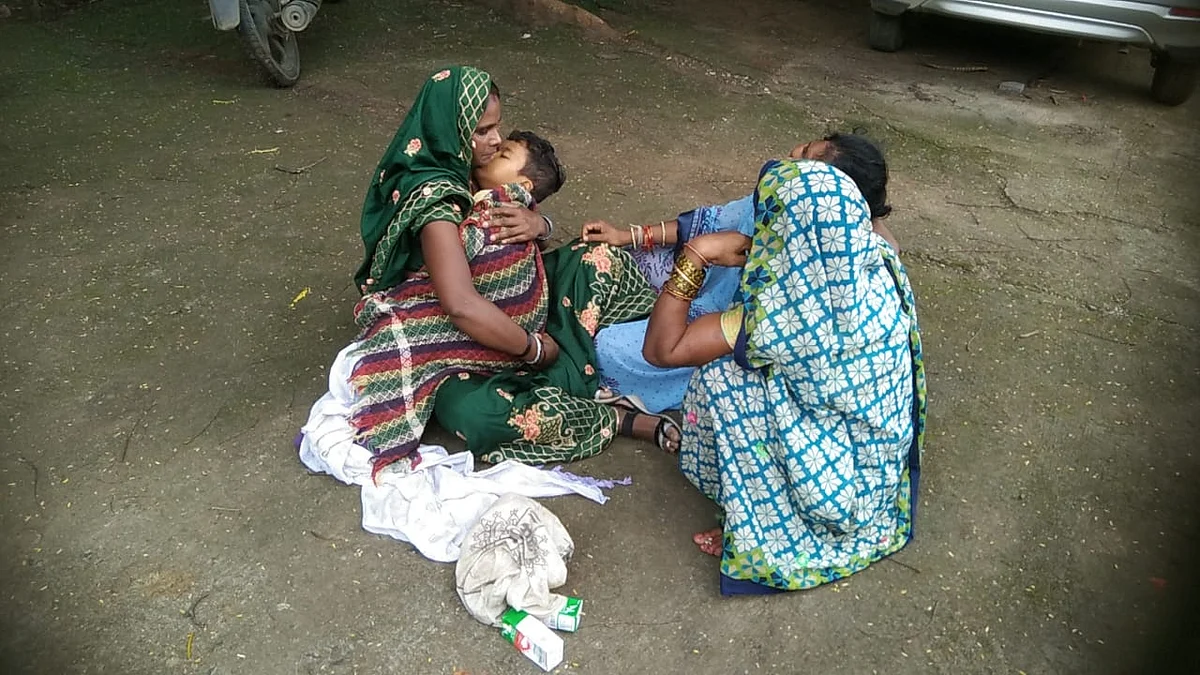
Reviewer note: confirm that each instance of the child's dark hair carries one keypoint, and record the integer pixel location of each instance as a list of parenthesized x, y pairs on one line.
[(541, 167), (858, 157)]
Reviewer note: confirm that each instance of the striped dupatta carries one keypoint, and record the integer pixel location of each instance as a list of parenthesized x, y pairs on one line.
[(409, 346)]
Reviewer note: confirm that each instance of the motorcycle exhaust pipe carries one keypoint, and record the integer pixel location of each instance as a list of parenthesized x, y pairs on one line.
[(297, 14)]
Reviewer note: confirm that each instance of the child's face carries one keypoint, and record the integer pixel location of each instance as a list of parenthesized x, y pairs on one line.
[(505, 167)]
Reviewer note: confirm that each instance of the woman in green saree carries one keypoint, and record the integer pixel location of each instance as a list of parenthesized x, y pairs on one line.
[(498, 332)]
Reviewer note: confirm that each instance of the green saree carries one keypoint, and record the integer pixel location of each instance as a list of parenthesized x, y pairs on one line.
[(424, 175), (411, 362), (549, 416)]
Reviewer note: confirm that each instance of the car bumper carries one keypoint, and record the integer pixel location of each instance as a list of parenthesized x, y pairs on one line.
[(1140, 23)]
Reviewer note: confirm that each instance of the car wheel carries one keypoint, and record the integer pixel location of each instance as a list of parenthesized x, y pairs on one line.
[(886, 32), (1174, 81)]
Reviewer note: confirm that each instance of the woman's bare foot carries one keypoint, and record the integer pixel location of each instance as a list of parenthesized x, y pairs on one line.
[(710, 541), (647, 428)]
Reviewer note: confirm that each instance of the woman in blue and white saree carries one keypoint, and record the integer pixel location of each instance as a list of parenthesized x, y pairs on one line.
[(805, 421), (623, 370)]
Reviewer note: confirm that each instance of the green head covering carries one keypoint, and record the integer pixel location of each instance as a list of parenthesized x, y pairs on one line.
[(424, 175)]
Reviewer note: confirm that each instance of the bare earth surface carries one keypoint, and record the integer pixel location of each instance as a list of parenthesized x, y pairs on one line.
[(155, 367)]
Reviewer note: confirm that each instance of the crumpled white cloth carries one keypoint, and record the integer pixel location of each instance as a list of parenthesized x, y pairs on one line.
[(512, 557), (432, 506)]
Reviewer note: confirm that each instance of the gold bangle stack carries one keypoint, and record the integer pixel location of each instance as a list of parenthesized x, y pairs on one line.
[(686, 279)]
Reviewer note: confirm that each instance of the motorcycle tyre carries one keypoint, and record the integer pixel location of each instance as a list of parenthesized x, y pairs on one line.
[(280, 74)]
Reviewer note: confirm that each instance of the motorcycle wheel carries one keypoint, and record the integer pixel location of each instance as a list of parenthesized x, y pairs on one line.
[(271, 45)]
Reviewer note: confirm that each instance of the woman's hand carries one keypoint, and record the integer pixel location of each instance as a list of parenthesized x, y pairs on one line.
[(602, 232), (727, 249), (550, 351), (516, 224)]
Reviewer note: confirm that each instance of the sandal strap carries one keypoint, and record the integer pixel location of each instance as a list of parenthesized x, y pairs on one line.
[(627, 420)]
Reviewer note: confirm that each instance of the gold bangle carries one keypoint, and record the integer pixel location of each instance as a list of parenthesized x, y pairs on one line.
[(692, 277), (681, 291), (688, 267), (684, 282), (670, 289), (689, 270), (663, 223), (691, 290)]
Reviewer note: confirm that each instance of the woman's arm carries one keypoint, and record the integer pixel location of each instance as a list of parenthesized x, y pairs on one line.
[(670, 340), (664, 233), (668, 230), (882, 230), (468, 310)]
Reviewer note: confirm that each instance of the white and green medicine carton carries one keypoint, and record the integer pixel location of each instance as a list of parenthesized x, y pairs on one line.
[(568, 617), (532, 638)]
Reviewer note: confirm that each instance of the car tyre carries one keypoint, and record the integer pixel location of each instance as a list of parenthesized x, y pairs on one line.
[(886, 32), (1174, 81)]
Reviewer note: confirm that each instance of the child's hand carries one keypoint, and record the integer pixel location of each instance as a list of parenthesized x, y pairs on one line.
[(602, 232)]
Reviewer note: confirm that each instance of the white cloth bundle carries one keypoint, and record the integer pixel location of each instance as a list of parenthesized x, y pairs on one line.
[(434, 505), (513, 557)]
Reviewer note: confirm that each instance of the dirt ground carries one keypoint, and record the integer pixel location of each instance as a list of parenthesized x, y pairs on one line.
[(156, 365)]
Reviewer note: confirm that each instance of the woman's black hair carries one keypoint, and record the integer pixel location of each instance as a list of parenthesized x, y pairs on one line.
[(494, 89), (858, 157)]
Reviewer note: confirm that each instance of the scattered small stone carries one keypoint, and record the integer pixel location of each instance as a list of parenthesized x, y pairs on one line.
[(5, 12), (1011, 87)]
